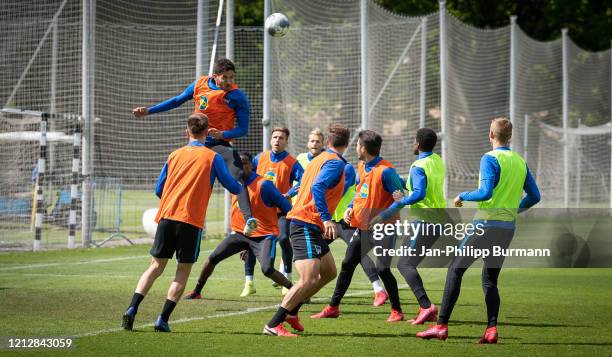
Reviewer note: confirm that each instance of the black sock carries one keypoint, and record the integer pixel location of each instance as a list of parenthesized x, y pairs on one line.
[(278, 317), (296, 309), (136, 300), (198, 288), (168, 308)]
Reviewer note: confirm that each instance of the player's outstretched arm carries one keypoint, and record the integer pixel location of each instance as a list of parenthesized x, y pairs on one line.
[(166, 105), (221, 172)]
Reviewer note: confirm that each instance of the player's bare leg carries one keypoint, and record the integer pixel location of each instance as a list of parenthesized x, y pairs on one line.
[(309, 271), (327, 273), (150, 275), (180, 280), (142, 288), (174, 294), (306, 286)]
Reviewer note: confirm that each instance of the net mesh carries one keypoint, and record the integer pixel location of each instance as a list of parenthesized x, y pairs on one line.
[(157, 57), (478, 88), (145, 52), (539, 102), (588, 110), (19, 154), (40, 43)]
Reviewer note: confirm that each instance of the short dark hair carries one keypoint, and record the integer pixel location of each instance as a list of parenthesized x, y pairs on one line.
[(338, 135), (282, 129), (426, 138), (222, 65), (197, 123), (371, 141)]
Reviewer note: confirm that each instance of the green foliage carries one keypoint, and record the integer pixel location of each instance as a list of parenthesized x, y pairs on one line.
[(589, 22)]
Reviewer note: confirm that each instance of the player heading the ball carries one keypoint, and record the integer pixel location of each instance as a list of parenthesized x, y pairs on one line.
[(219, 98)]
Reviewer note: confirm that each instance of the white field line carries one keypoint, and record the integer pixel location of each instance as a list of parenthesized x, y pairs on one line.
[(246, 311), (97, 276), (96, 261)]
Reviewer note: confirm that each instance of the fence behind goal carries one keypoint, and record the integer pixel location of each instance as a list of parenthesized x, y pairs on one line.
[(429, 71), (438, 72)]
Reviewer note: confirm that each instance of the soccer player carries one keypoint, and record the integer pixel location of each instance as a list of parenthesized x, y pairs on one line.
[(504, 176), (282, 169), (314, 146), (184, 187), (311, 225), (220, 99), (315, 141), (377, 182), (427, 203), (266, 201)]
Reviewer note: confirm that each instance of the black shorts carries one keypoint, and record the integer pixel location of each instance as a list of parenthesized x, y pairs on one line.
[(307, 243), (173, 236)]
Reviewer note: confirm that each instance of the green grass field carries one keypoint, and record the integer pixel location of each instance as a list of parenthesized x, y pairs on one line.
[(83, 293)]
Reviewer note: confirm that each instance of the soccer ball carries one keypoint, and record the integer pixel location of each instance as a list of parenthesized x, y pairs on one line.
[(277, 24), (148, 222)]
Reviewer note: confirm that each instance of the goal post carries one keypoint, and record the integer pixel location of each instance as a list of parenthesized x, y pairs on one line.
[(55, 187)]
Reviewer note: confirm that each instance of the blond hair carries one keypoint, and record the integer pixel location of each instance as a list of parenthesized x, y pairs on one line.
[(317, 132), (501, 128)]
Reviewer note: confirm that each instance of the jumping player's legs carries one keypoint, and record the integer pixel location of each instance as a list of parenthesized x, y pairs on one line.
[(234, 164)]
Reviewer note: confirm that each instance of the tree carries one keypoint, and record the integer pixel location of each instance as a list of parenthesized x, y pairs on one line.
[(589, 22)]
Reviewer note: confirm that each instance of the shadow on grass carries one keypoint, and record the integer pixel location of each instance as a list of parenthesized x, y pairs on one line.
[(382, 335), (260, 298), (519, 324), (567, 343), (328, 334), (258, 333)]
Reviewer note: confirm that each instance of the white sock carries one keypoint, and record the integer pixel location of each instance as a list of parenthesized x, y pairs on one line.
[(281, 267), (288, 276), (248, 278), (377, 287)]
